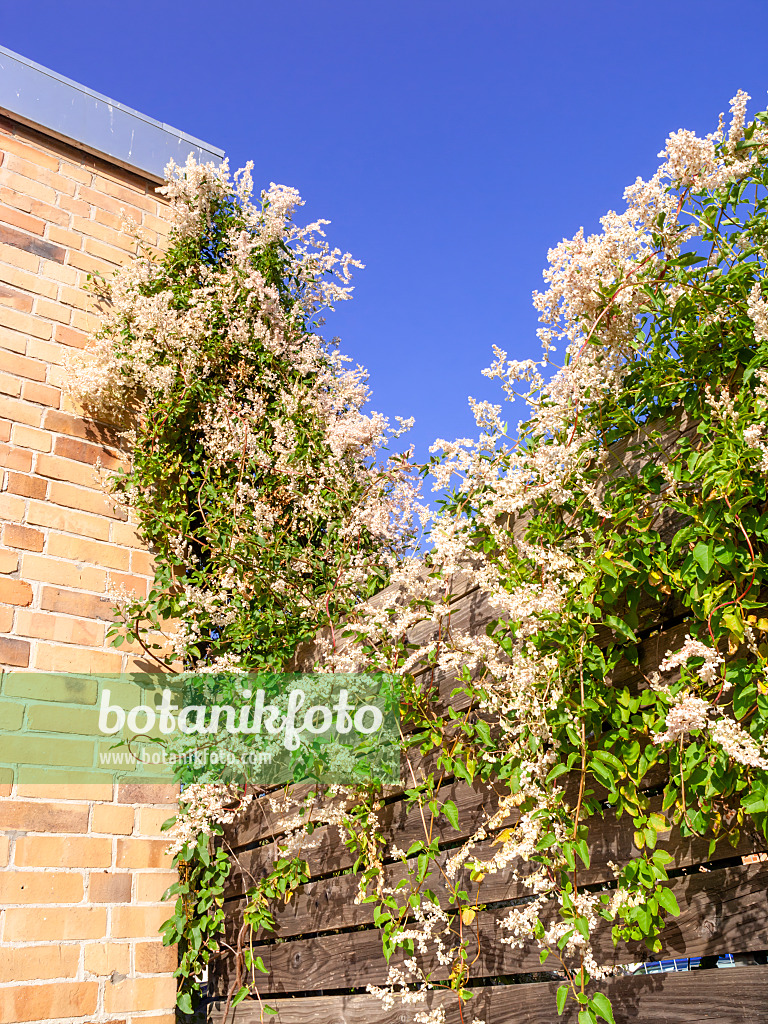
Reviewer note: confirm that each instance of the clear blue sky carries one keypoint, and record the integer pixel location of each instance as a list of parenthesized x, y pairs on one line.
[(451, 142)]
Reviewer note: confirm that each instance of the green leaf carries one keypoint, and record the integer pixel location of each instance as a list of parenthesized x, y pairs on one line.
[(704, 555), (240, 995), (451, 811), (582, 849), (602, 1005), (184, 1002), (562, 996), (620, 626), (667, 900), (609, 758)]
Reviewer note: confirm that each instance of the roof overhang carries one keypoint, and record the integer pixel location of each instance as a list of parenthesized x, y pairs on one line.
[(41, 98)]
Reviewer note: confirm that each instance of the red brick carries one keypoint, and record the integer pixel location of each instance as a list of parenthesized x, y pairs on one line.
[(26, 204), (87, 322), (41, 175), (16, 300), (106, 958), (53, 658), (63, 852), (23, 367), (100, 201), (25, 323), (43, 626), (53, 570), (14, 652), (87, 263), (80, 298), (112, 819), (66, 469), (30, 243), (43, 514), (28, 486), (70, 999), (40, 887), (42, 394), (31, 437), (151, 886), (45, 350), (22, 537), (53, 311), (58, 272), (144, 793), (30, 153), (142, 563), (38, 963), (20, 412), (9, 561), (136, 584), (76, 426), (12, 341), (124, 194), (106, 887), (126, 534), (29, 282), (12, 508), (82, 451), (138, 922), (19, 219), (10, 385), (19, 459), (16, 592), (155, 958), (40, 924), (70, 602), (76, 206), (36, 816), (64, 237), (18, 258), (78, 550), (84, 500), (70, 336), (25, 183)]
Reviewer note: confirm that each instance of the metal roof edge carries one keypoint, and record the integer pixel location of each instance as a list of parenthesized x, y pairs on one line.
[(58, 106)]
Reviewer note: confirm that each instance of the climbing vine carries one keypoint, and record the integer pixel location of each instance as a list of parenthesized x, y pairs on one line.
[(632, 495)]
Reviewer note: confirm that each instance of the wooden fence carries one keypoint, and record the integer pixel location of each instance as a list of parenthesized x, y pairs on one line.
[(325, 949)]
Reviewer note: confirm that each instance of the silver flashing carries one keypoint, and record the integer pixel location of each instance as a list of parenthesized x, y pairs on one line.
[(56, 105)]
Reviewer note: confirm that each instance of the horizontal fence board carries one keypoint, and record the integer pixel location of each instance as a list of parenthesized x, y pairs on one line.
[(328, 903), (738, 995), (324, 852), (721, 911)]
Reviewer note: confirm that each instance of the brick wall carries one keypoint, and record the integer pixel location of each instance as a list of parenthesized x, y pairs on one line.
[(80, 889), (82, 866)]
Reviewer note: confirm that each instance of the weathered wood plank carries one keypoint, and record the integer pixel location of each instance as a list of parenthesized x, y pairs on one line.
[(735, 996), (720, 911), (324, 853), (328, 903)]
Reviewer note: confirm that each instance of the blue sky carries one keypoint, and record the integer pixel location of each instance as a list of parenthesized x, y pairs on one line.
[(450, 142)]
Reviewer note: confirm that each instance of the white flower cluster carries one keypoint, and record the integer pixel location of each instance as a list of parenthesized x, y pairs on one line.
[(688, 713), (737, 744), (757, 308), (201, 806), (712, 659)]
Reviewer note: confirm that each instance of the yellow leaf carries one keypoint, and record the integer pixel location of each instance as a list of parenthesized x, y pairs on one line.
[(467, 916), (503, 837)]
